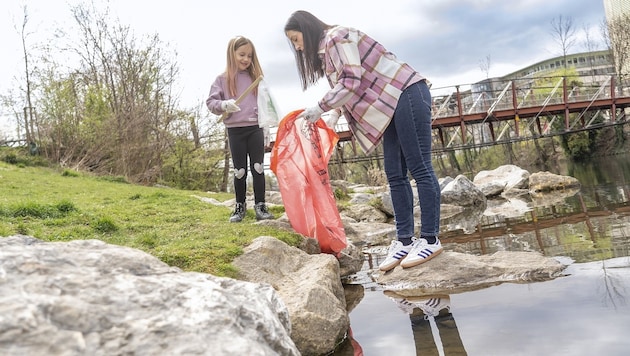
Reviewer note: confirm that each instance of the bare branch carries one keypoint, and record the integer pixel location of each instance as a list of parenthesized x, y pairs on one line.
[(484, 65), (563, 34)]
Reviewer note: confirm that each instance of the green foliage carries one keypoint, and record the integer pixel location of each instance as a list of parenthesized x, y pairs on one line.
[(578, 145), (37, 210), (341, 193), (105, 225), (111, 113), (65, 207), (544, 84), (69, 173), (21, 229), (188, 167), (490, 158), (10, 158), (20, 157), (114, 179), (173, 225), (582, 145)]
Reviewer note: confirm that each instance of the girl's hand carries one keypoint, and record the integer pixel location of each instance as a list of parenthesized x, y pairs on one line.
[(229, 106)]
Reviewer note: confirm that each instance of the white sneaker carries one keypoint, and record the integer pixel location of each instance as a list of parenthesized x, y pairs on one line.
[(396, 253), (421, 251)]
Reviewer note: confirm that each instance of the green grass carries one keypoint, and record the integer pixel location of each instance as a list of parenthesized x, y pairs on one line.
[(171, 224)]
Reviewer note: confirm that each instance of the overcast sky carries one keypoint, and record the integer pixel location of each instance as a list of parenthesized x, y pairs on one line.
[(444, 40)]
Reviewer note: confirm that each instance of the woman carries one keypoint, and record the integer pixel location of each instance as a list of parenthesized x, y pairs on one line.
[(383, 99)]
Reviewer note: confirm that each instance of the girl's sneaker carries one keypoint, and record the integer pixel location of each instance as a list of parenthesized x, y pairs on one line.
[(421, 251), (262, 213), (239, 213)]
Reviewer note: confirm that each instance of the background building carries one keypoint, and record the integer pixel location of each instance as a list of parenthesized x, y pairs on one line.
[(594, 68)]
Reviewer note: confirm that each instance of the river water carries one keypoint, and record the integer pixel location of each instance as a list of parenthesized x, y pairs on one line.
[(585, 312)]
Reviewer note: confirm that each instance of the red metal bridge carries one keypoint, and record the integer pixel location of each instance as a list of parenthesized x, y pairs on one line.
[(490, 113)]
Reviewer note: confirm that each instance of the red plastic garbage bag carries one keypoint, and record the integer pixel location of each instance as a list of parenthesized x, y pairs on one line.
[(299, 159)]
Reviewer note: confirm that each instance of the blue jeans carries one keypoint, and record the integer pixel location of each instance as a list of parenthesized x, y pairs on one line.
[(407, 149)]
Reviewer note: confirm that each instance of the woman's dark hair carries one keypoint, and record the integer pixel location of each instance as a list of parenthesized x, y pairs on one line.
[(308, 60)]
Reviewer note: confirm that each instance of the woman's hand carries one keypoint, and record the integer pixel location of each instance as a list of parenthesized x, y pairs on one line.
[(333, 117), (311, 114)]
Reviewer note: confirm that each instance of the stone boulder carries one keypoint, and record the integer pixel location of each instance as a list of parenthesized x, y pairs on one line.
[(541, 182), (453, 272), (351, 257), (309, 285), (364, 213), (86, 297), (461, 191), (503, 178)]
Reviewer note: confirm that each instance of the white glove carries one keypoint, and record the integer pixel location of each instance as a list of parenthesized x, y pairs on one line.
[(333, 117), (267, 137), (229, 106), (311, 114)]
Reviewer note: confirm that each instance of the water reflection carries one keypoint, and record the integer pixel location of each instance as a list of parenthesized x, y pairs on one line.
[(428, 314), (582, 227), (585, 313)]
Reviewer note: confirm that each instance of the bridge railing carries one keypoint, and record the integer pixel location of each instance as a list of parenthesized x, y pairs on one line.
[(493, 95), (493, 111)]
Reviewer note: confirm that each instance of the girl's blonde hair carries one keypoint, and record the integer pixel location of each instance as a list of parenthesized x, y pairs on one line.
[(231, 70)]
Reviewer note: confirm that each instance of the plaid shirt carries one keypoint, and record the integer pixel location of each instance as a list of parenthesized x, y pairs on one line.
[(366, 80)]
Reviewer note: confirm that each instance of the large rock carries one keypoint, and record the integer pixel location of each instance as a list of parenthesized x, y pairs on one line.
[(85, 297), (541, 182), (364, 213), (309, 285), (503, 178), (351, 257), (461, 191), (370, 234), (453, 272)]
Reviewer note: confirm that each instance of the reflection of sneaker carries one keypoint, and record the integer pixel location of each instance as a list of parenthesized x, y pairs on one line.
[(431, 305), (395, 254), (421, 251)]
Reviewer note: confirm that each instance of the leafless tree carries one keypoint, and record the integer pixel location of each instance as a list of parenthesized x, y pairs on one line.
[(484, 65), (28, 110), (114, 113), (616, 33), (590, 45), (563, 33), (110, 106)]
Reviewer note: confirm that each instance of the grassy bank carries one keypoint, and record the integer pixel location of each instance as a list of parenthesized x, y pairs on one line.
[(173, 225)]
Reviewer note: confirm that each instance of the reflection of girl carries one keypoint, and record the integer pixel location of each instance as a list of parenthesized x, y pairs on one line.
[(245, 136), (382, 99)]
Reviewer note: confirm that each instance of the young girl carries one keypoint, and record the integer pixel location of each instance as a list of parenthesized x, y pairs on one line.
[(245, 137), (383, 99)]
